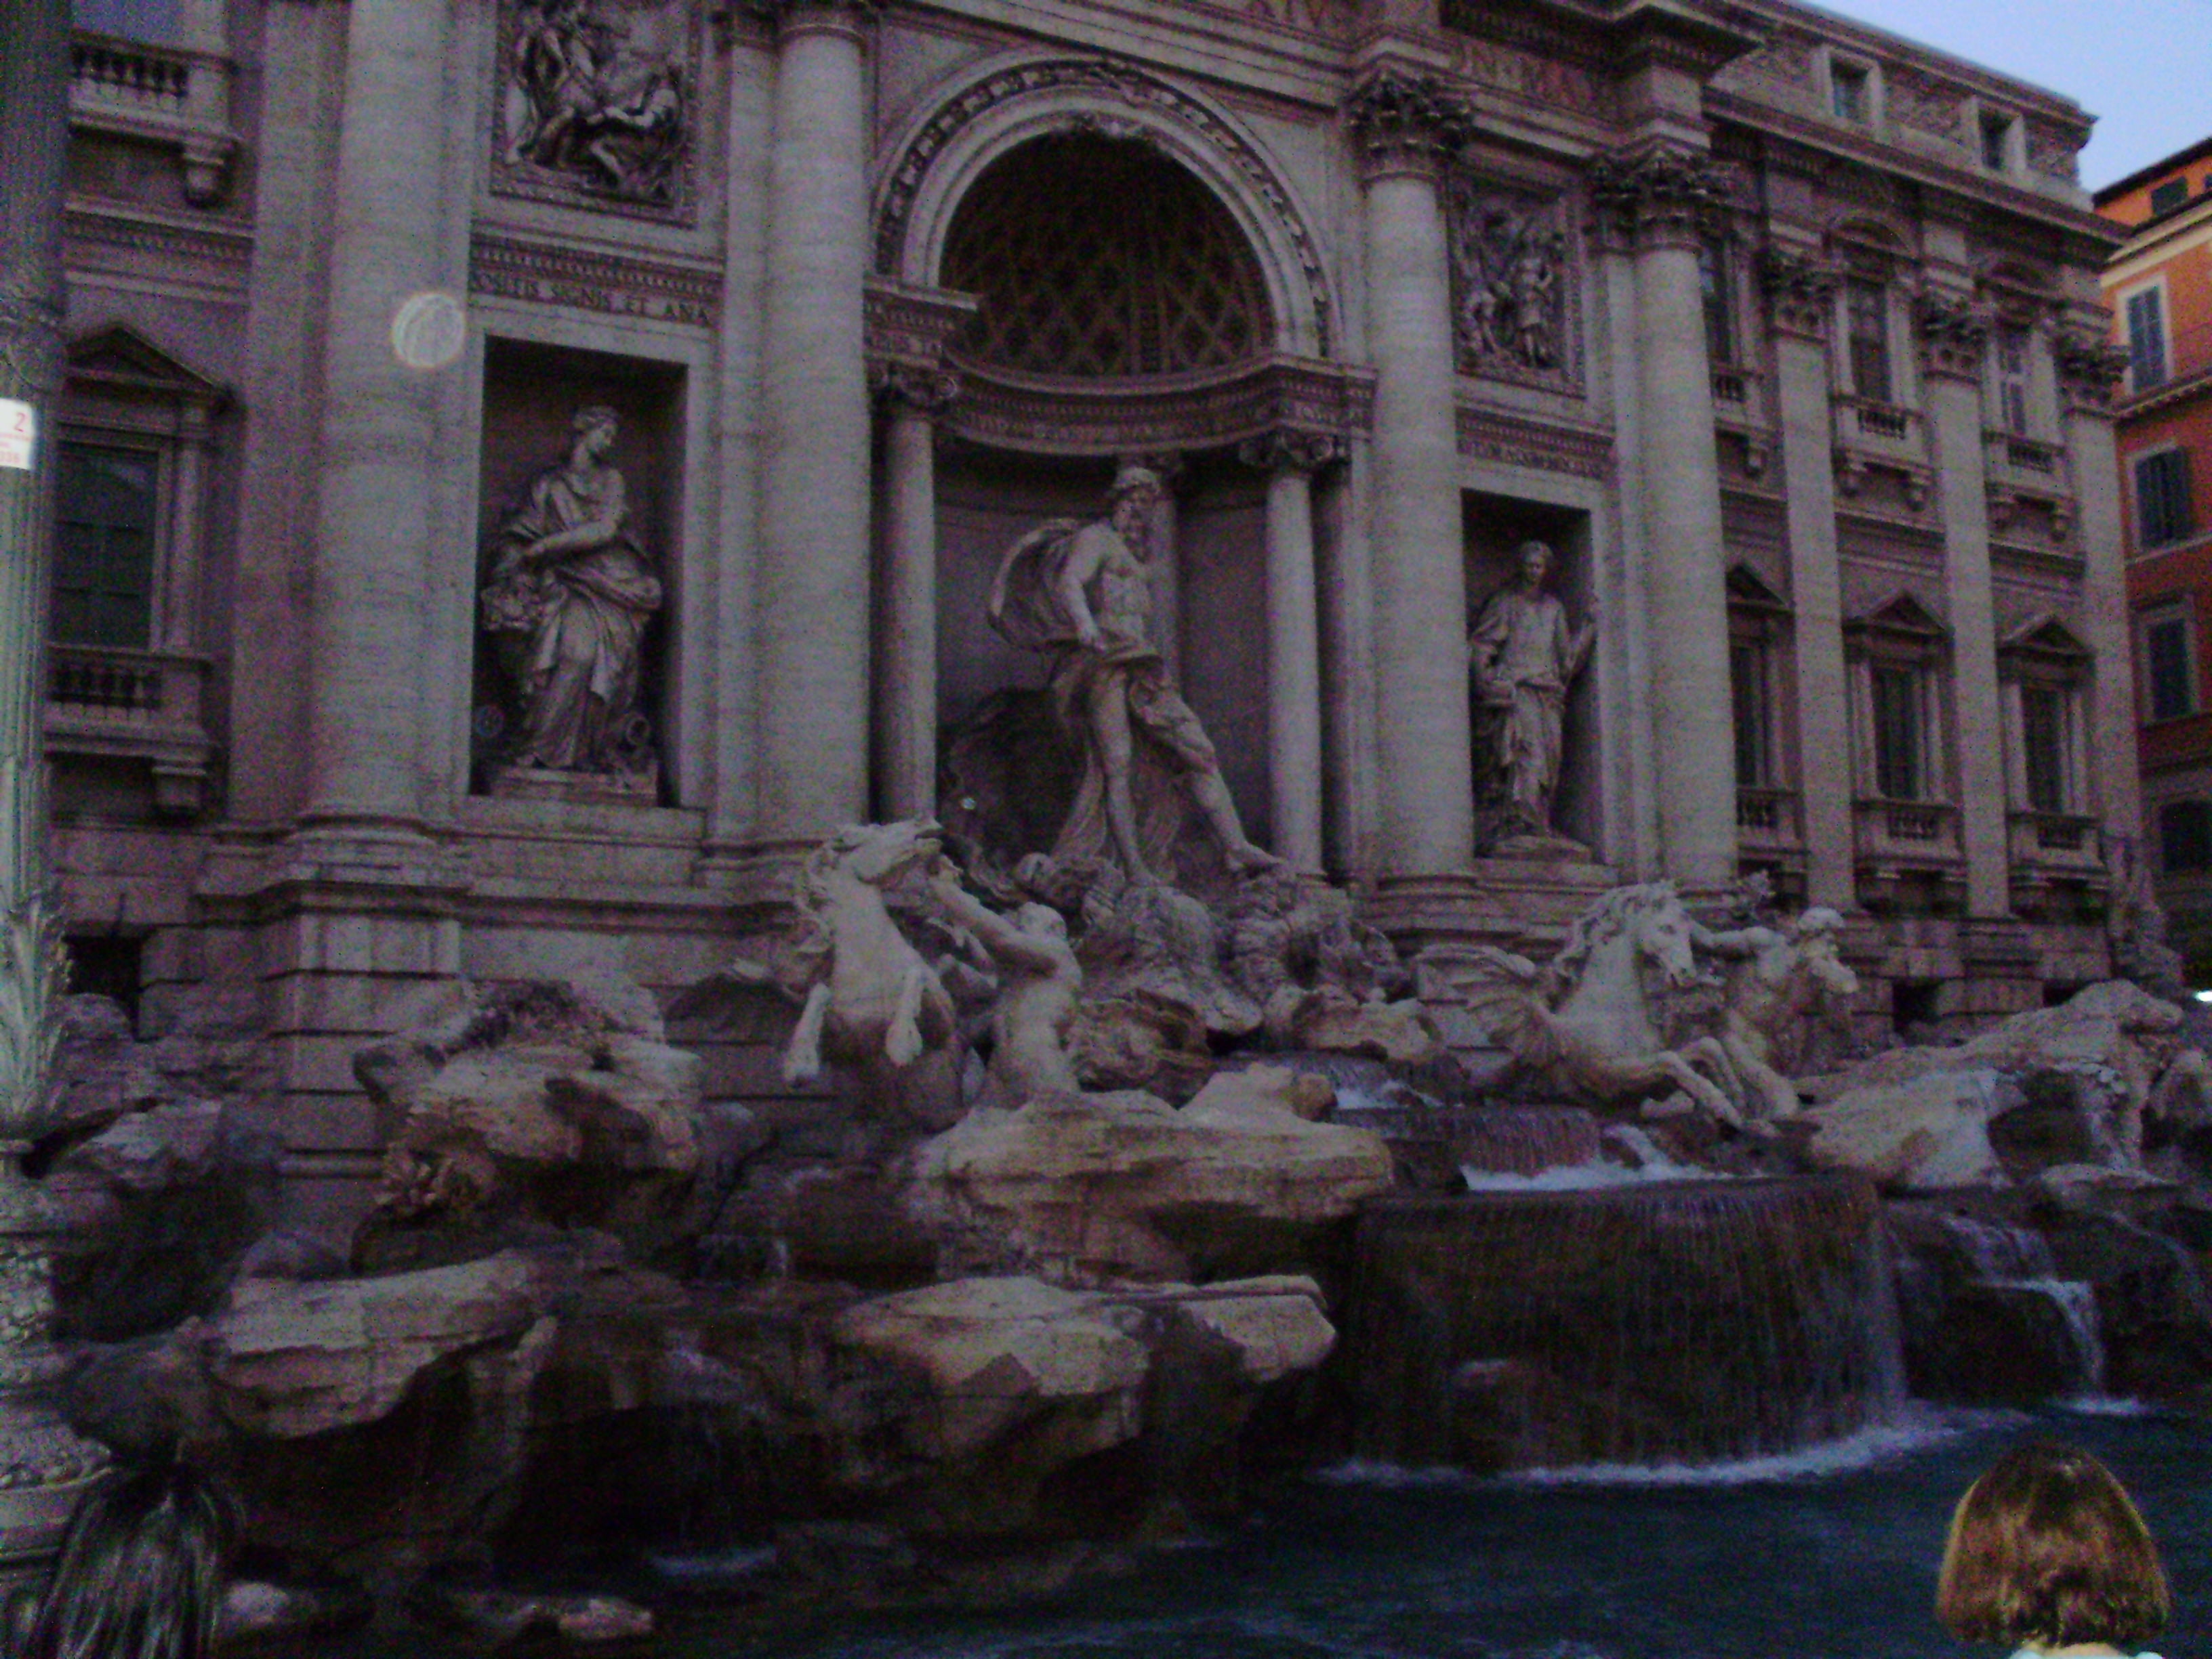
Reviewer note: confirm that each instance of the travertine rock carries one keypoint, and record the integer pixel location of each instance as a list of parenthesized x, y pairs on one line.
[(1332, 1021), (1083, 1187), (1927, 1131), (290, 1359)]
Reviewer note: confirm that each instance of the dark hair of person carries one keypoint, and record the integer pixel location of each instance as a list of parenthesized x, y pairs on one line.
[(2047, 1548), (140, 1571)]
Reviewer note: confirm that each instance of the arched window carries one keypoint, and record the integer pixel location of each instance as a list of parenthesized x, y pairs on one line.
[(1097, 257)]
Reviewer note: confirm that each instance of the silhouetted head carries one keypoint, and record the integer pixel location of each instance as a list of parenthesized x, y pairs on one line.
[(140, 1571), (2046, 1550)]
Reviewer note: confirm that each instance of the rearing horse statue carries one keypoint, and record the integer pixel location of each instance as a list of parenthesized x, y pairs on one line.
[(1583, 1022), (871, 1001)]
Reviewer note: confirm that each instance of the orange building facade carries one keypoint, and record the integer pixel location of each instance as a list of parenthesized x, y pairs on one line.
[(2159, 285)]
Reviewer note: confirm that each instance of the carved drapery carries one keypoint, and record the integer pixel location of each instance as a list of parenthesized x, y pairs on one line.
[(1800, 292), (1952, 335), (1659, 197), (1516, 291), (596, 108), (1405, 124)]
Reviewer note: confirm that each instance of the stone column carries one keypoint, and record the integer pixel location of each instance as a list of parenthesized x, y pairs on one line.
[(1294, 748), (1658, 203), (1800, 296), (381, 438), (2089, 369), (813, 630), (46, 1464), (1403, 131), (1951, 341), (906, 718)]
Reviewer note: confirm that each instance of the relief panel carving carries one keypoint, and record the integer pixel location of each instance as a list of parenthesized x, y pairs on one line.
[(1515, 295), (596, 105)]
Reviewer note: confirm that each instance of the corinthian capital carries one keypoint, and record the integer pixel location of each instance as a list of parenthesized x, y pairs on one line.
[(790, 16), (1800, 291), (1658, 197), (921, 389), (2089, 371), (1290, 449), (1405, 124), (1952, 335)]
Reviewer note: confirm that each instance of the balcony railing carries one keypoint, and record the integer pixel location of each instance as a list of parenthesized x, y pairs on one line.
[(2065, 840), (114, 703), (166, 94), (1768, 818), (1915, 831)]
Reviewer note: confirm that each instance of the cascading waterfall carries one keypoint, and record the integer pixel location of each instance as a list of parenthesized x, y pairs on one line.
[(2018, 1260), (1688, 1321)]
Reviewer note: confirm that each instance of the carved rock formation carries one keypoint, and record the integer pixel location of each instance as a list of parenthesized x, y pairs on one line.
[(1081, 1187)]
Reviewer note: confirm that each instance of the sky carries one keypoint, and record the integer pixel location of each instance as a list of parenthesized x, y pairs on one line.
[(2142, 67)]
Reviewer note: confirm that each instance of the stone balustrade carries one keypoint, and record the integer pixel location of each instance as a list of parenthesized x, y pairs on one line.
[(169, 94), (113, 703)]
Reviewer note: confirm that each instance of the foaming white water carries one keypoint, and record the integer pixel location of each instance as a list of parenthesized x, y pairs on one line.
[(712, 1566), (2107, 1404), (1917, 1429), (1572, 1178)]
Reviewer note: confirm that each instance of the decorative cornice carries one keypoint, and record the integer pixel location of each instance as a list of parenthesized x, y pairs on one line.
[(911, 325), (1952, 335), (1289, 449), (1656, 197), (1800, 291), (790, 17), (906, 388), (1404, 123), (1127, 84), (512, 269), (1492, 435), (2090, 369), (1216, 409)]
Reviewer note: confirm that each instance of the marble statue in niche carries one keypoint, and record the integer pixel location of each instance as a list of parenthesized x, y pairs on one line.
[(1510, 285), (567, 604), (594, 101), (1523, 656), (1083, 593)]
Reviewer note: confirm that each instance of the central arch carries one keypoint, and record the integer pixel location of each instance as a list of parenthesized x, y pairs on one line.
[(992, 110)]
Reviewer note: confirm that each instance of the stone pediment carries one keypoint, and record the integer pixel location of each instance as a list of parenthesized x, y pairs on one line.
[(2045, 640), (120, 358), (1748, 590), (1901, 626)]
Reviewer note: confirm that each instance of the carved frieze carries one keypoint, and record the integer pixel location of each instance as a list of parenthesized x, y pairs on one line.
[(1536, 77), (1167, 413), (2055, 151), (596, 105), (1515, 293), (1658, 198), (1493, 435), (1405, 124), (1800, 291), (511, 269), (1925, 104)]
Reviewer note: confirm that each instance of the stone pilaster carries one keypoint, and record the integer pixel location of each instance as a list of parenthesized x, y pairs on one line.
[(812, 632), (1403, 131), (381, 437), (2089, 371), (1289, 459), (1952, 337), (1801, 298), (1657, 204), (912, 399)]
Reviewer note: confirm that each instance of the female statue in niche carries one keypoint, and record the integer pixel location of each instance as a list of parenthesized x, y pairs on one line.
[(569, 597), (1524, 656)]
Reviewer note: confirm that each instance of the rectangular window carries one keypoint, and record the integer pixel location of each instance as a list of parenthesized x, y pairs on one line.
[(1867, 304), (2164, 512), (1847, 84), (1754, 717), (104, 547), (2043, 743), (2169, 667), (2165, 197), (1900, 734), (1997, 141), (1720, 316), (2012, 378), (2184, 836), (2146, 339)]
